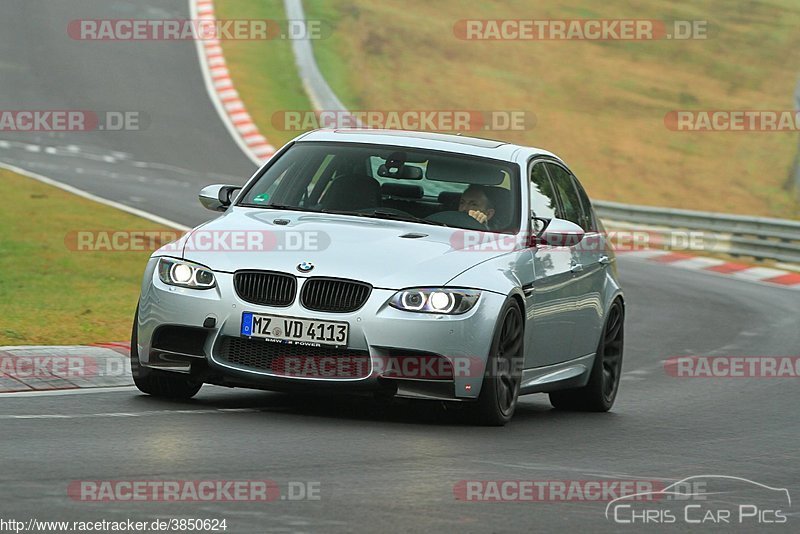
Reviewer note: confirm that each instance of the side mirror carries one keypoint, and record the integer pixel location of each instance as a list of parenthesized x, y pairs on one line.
[(218, 197), (560, 233)]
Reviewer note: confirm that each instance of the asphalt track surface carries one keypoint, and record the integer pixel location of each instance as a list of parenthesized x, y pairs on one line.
[(378, 469), (182, 144)]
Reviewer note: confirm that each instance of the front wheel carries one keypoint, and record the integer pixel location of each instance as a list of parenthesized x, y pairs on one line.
[(155, 383), (599, 393), (501, 381)]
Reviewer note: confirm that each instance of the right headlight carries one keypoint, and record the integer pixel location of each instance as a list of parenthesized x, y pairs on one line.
[(185, 274), (435, 300)]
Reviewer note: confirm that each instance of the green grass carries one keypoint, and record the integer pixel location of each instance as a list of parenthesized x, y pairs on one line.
[(328, 50), (599, 105), (50, 293), (264, 72)]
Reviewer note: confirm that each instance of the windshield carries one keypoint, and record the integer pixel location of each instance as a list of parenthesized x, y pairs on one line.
[(396, 183)]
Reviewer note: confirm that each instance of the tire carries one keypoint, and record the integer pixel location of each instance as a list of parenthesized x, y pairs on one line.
[(158, 384), (599, 393), (501, 381)]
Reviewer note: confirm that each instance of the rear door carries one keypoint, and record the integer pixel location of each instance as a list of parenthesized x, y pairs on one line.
[(585, 261)]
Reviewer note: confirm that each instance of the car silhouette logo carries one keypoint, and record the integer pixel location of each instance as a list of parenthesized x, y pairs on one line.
[(305, 266)]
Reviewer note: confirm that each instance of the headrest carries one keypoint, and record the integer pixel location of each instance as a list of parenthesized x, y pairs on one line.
[(450, 198), (351, 193), (504, 210)]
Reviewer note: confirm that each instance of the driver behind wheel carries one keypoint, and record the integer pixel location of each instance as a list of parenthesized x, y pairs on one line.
[(477, 204)]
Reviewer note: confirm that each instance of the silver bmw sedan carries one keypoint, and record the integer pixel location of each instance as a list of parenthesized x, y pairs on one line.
[(391, 263)]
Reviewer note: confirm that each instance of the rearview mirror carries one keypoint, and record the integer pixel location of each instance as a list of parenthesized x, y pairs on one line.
[(218, 197), (404, 172), (560, 233)]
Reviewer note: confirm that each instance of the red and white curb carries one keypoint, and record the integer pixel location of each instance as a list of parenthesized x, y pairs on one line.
[(225, 97), (35, 369), (740, 271)]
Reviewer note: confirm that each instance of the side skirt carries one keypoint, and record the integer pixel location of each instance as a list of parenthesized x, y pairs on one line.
[(571, 374)]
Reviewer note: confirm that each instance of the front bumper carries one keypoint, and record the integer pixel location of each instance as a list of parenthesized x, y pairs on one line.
[(376, 329)]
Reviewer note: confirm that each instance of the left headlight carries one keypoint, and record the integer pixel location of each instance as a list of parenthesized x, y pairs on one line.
[(185, 274), (435, 300)]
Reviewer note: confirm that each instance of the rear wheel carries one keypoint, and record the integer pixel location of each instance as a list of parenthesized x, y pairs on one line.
[(155, 383), (500, 391), (599, 393)]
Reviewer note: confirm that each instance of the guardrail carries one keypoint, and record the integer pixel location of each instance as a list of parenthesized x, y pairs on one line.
[(761, 238), (319, 92)]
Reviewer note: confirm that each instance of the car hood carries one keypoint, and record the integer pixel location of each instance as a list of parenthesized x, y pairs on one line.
[(385, 253)]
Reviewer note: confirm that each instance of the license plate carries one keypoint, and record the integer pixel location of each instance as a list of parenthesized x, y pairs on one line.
[(294, 330)]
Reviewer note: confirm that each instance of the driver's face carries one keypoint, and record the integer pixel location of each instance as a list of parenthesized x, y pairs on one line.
[(473, 200)]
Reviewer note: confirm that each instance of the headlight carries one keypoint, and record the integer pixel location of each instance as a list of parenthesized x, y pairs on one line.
[(435, 300), (185, 274)]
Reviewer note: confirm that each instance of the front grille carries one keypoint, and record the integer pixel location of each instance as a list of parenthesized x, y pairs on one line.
[(265, 287), (334, 295), (294, 360)]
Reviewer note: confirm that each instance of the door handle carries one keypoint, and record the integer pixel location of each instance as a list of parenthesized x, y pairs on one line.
[(605, 260), (576, 268)]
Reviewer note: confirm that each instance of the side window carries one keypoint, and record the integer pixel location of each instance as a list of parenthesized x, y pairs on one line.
[(543, 198), (588, 224), (570, 203)]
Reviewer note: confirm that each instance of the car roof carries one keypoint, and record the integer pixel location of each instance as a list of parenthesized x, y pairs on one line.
[(475, 146)]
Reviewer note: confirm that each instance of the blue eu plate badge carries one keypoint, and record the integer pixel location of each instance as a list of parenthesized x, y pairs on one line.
[(247, 324)]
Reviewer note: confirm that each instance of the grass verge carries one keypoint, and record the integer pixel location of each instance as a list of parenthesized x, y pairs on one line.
[(599, 105), (264, 72), (50, 293)]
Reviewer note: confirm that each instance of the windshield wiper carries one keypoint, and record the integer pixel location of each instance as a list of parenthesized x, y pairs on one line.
[(281, 207), (400, 217), (377, 213), (382, 214)]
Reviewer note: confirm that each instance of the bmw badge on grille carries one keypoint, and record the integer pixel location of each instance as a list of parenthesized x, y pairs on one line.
[(305, 266)]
